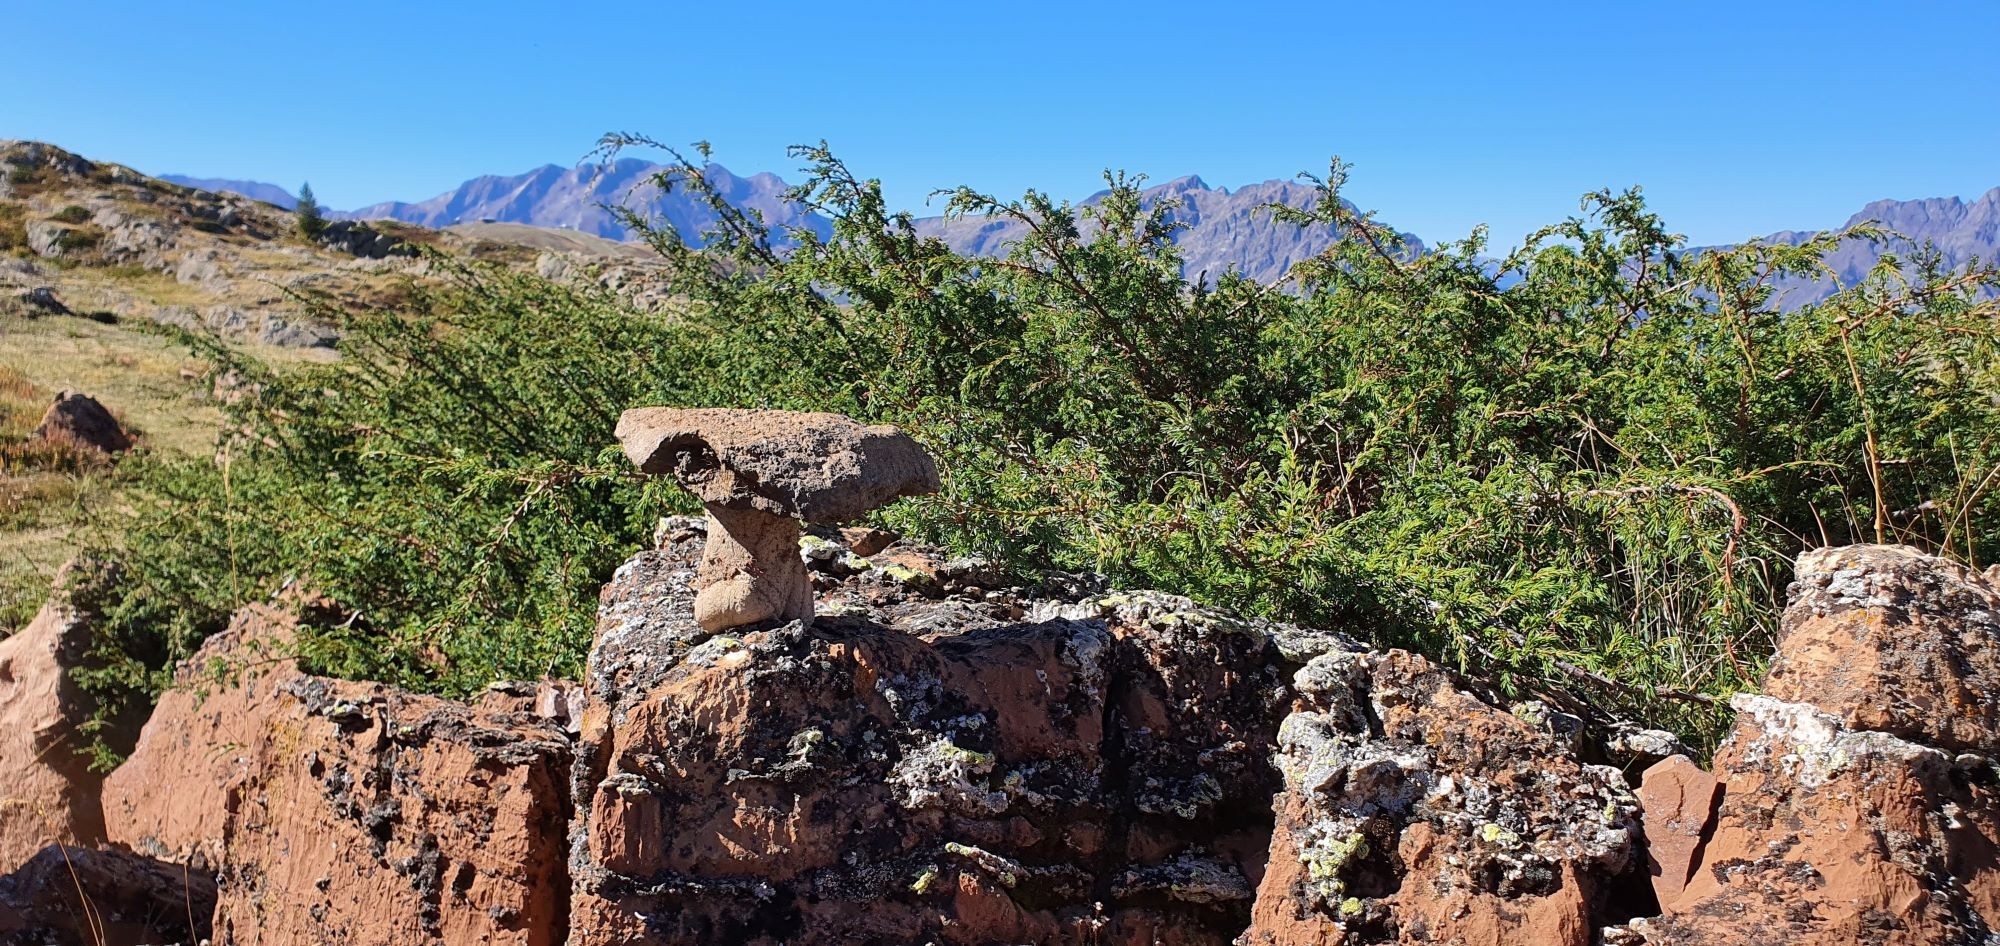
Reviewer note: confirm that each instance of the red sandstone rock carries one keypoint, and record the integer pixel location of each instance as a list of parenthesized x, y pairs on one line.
[(1851, 810), (341, 812), (169, 798), (1679, 802), (1893, 640), (1828, 835), (1415, 813), (47, 792), (370, 815)]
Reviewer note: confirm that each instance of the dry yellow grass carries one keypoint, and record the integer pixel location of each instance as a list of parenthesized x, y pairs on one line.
[(137, 375), (155, 388)]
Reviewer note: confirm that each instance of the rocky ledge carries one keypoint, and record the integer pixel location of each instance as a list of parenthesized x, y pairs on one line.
[(943, 758)]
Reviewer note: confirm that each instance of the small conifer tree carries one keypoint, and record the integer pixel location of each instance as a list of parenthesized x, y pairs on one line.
[(310, 220)]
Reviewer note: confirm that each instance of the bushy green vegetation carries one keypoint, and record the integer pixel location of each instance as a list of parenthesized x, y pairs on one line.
[(1581, 470)]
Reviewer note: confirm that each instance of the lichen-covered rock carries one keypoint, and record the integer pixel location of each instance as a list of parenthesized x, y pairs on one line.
[(204, 737), (1893, 640), (970, 767), (1860, 799), (371, 815), (1414, 812), (47, 792)]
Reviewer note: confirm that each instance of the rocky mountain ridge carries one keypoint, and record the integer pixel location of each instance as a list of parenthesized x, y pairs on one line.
[(1959, 230), (1226, 228)]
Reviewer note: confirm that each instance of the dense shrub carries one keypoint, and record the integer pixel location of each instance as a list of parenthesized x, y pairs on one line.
[(1581, 470)]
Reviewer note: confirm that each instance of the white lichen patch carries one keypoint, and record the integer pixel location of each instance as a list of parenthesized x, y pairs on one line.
[(1814, 747), (941, 773)]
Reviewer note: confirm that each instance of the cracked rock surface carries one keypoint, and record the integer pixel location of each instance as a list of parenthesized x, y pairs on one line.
[(333, 811)]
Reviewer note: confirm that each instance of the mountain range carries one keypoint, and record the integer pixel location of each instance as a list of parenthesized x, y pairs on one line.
[(1959, 230), (1225, 228)]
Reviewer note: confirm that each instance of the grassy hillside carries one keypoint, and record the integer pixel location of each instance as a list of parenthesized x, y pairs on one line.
[(137, 256)]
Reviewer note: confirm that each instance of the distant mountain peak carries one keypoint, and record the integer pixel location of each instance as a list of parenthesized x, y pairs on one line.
[(255, 190)]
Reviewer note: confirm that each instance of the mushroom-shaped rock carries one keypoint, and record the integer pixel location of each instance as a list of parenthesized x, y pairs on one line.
[(759, 474)]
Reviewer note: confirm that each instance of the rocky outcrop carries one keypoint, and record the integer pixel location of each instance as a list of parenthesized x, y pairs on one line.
[(1414, 812), (342, 812), (48, 794), (77, 420), (1860, 799), (944, 758), (206, 735), (359, 239), (377, 816), (974, 767)]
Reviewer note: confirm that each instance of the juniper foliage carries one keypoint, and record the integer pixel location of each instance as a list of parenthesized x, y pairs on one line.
[(1581, 469)]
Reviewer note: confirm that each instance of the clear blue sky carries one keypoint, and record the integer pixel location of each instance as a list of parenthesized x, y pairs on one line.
[(1738, 118)]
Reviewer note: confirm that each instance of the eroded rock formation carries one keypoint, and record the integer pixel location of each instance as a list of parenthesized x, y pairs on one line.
[(943, 756), (759, 474), (342, 812), (48, 794), (1860, 800), (947, 759)]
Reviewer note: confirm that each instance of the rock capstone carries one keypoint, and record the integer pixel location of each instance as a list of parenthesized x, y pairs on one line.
[(758, 475)]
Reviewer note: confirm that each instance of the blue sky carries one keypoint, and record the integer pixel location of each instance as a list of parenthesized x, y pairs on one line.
[(1738, 118)]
